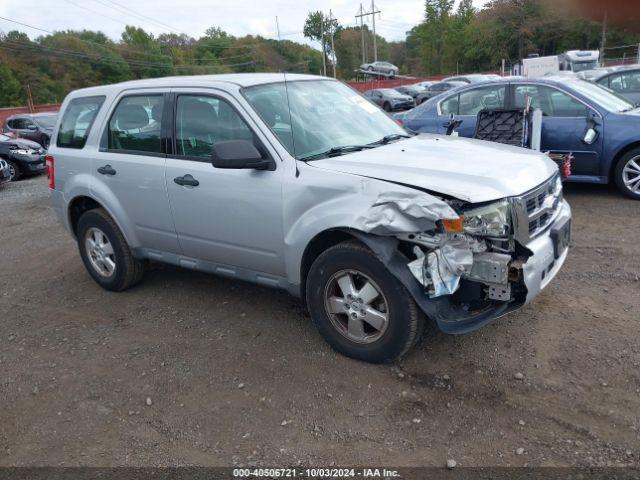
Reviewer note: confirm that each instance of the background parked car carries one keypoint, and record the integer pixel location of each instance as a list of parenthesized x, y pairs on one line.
[(390, 99), (426, 84), (24, 157), (381, 67), (571, 108), (412, 90), (624, 81), (473, 78), (437, 89), (32, 126)]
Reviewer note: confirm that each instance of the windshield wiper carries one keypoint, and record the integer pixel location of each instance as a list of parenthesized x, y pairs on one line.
[(335, 151), (390, 138)]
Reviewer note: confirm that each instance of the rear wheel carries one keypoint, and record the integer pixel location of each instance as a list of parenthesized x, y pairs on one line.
[(627, 174), (359, 307), (105, 252), (14, 171)]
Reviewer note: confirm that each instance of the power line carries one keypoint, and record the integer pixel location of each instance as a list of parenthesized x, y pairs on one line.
[(128, 10), (100, 59)]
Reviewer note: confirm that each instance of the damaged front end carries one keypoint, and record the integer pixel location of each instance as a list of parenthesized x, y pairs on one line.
[(462, 264)]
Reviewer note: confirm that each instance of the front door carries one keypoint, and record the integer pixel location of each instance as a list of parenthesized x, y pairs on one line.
[(228, 217), (564, 124)]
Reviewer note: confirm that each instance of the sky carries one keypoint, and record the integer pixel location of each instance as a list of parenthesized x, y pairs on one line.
[(193, 17)]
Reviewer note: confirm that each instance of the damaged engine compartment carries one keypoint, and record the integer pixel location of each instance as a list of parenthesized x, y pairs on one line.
[(464, 259)]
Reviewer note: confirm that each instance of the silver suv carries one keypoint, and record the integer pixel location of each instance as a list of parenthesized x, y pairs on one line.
[(302, 184)]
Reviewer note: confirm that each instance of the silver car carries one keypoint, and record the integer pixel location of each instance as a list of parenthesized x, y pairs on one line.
[(306, 186), (384, 68)]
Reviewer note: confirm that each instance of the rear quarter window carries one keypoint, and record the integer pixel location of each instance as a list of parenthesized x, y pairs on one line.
[(77, 120)]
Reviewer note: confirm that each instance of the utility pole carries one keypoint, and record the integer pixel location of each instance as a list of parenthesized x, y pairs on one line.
[(604, 37), (324, 51), (375, 45), (364, 52), (361, 15), (333, 50)]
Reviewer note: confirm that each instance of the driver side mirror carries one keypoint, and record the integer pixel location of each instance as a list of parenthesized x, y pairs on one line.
[(239, 154), (590, 137)]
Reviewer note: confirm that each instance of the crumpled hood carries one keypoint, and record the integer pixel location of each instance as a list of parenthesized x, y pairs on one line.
[(467, 169)]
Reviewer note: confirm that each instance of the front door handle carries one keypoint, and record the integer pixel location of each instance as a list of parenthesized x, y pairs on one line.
[(106, 170), (187, 180)]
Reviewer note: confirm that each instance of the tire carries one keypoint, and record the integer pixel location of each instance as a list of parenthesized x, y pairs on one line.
[(392, 337), (628, 170), (370, 69), (127, 270), (387, 107), (46, 143), (15, 171)]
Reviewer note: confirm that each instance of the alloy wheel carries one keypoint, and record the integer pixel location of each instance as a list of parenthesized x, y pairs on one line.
[(356, 306), (100, 252), (631, 175)]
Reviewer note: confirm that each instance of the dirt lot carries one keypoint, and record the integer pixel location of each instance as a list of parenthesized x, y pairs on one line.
[(236, 374)]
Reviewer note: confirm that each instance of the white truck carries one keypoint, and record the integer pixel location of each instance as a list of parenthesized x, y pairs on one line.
[(572, 60)]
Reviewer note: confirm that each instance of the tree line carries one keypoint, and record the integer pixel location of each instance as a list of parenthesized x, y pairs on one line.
[(448, 39)]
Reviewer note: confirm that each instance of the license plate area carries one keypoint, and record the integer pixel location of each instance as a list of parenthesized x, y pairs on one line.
[(561, 237)]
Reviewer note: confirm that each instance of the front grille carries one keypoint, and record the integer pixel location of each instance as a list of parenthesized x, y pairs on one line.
[(536, 210)]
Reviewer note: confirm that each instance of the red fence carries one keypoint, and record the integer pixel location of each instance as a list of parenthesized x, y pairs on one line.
[(7, 112), (371, 84)]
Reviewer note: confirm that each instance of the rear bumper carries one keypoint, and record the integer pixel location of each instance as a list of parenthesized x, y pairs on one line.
[(59, 206)]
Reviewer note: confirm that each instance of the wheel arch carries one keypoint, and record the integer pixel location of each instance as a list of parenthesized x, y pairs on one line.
[(618, 156), (318, 244)]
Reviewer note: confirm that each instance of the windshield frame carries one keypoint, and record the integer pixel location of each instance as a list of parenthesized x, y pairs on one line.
[(299, 156)]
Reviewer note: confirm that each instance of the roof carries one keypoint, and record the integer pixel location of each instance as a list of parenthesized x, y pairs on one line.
[(238, 79)]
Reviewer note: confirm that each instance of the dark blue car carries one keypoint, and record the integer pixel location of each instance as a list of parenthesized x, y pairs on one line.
[(600, 128)]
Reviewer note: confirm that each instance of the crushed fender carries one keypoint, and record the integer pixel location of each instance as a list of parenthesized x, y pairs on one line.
[(404, 212)]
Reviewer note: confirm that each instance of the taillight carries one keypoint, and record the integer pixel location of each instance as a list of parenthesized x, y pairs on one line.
[(50, 172)]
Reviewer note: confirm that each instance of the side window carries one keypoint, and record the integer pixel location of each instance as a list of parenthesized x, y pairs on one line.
[(604, 82), (628, 82), (449, 106), (136, 124), (552, 102), (202, 121), (473, 101), (77, 120)]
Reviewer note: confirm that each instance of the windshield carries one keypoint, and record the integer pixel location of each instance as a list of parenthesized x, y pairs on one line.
[(601, 95), (581, 66), (324, 114), (46, 121)]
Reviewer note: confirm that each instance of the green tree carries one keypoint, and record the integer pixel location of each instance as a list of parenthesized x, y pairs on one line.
[(11, 93)]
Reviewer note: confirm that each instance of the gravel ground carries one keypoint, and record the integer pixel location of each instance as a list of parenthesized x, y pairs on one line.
[(191, 369)]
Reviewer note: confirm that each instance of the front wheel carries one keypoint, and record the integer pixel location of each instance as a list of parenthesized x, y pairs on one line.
[(627, 174), (387, 107), (359, 307), (14, 171), (105, 252)]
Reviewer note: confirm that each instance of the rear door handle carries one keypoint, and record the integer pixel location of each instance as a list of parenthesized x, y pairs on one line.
[(187, 180), (106, 170)]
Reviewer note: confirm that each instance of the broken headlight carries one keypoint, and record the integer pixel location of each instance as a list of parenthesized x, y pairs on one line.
[(493, 220)]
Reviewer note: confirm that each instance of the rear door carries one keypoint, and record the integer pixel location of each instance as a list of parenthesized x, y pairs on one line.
[(564, 124), (130, 165)]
